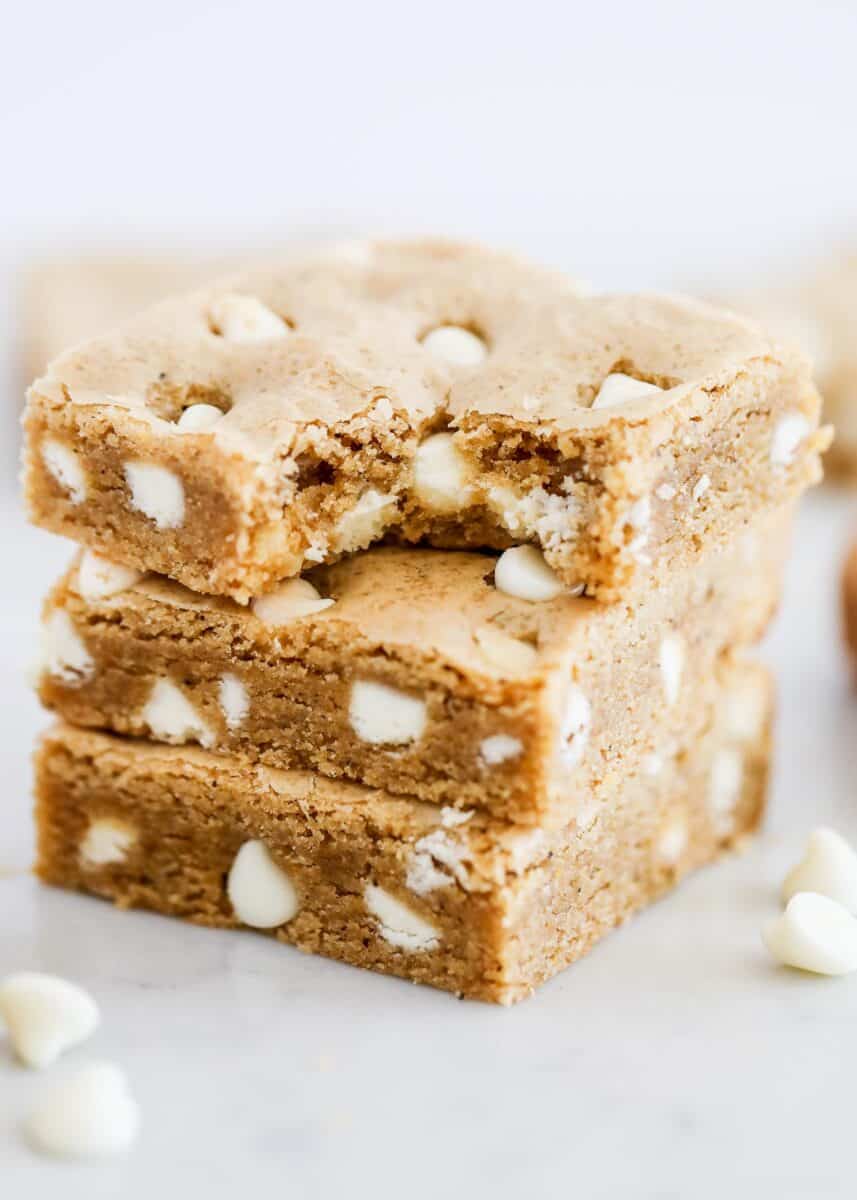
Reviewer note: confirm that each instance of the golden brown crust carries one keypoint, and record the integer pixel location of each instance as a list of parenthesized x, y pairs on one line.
[(508, 907)]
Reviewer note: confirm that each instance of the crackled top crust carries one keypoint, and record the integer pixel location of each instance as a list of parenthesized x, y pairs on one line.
[(354, 320)]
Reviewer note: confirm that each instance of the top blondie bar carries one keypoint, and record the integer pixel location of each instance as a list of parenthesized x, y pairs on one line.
[(417, 392)]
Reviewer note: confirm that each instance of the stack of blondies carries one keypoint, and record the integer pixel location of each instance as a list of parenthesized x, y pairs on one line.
[(412, 615)]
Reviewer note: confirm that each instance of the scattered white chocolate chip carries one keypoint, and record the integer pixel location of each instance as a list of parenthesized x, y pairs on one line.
[(724, 787), (672, 666), (63, 653), (45, 1015), (788, 434), (665, 491), (503, 652), (89, 1114), (397, 923), (66, 468), (499, 748), (672, 840), (619, 388), (234, 700), (383, 715), (745, 711), (107, 840), (523, 572), (260, 892), (245, 319), (172, 718), (366, 521), (574, 731), (199, 418), (292, 599), (98, 577), (440, 473), (700, 488), (814, 934), (451, 818), (157, 493), (456, 346), (829, 867), (639, 517), (424, 873)]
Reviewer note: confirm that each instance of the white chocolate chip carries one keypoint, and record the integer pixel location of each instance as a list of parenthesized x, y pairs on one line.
[(199, 418), (665, 491), (106, 841), (505, 653), (89, 1114), (724, 788), (746, 711), (63, 653), (788, 434), (639, 517), (45, 1015), (456, 346), (523, 572), (157, 493), (574, 732), (365, 522), (814, 934), (440, 473), (829, 867), (383, 715), (652, 765), (700, 488), (424, 874), (672, 840), (672, 666), (172, 718), (622, 389), (66, 468), (397, 923), (499, 748), (292, 599), (451, 818), (260, 891), (234, 700), (98, 577), (245, 319)]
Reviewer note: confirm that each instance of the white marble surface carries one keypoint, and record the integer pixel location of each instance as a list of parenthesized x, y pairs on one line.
[(674, 1062)]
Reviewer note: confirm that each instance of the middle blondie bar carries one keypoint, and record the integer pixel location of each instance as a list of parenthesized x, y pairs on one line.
[(410, 670)]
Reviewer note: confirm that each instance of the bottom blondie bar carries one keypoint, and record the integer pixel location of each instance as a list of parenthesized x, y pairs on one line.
[(459, 900)]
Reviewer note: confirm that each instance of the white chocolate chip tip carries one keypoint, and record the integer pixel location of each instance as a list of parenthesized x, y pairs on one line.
[(45, 1015), (88, 1114), (261, 893), (456, 346), (291, 600), (619, 388), (522, 572), (813, 934), (828, 867), (398, 924), (239, 318), (199, 418)]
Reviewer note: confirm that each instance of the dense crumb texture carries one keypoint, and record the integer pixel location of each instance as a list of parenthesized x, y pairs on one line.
[(464, 903), (422, 392), (849, 603), (413, 672)]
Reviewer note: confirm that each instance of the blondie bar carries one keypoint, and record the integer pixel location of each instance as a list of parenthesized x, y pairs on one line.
[(422, 392), (412, 670), (460, 901)]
